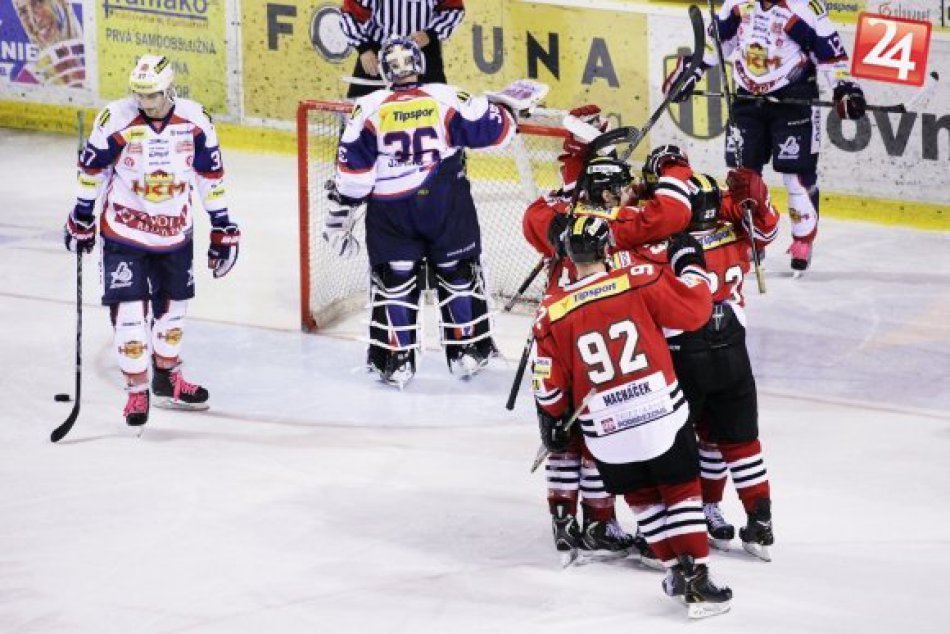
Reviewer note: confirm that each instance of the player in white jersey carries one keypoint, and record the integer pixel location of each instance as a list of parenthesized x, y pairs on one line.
[(145, 156), (402, 154), (778, 49)]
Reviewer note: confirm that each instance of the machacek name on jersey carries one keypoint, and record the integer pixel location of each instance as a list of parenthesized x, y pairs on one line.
[(148, 170)]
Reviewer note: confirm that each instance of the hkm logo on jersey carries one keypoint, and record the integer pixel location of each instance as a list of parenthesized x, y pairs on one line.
[(758, 62), (159, 187), (121, 277), (698, 117)]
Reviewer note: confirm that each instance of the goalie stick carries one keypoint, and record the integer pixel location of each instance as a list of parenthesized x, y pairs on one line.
[(733, 133), (631, 136), (542, 450), (919, 99), (60, 432)]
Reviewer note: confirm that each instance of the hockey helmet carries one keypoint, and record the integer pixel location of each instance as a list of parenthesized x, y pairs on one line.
[(400, 57), (152, 74), (587, 238), (705, 198), (604, 174)]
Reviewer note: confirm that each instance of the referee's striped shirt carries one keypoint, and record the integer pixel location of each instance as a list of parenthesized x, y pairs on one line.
[(368, 22)]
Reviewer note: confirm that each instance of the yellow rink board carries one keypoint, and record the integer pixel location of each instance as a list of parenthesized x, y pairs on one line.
[(62, 120)]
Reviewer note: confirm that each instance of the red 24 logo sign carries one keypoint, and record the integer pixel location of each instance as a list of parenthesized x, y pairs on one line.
[(891, 49)]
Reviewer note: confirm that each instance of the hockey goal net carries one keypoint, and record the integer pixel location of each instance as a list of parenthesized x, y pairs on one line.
[(503, 181)]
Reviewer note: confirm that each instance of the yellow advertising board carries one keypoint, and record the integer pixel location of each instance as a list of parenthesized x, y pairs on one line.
[(190, 34), (293, 50)]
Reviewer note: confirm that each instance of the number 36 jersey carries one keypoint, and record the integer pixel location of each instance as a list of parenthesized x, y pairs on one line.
[(605, 332), (395, 140), (148, 170)]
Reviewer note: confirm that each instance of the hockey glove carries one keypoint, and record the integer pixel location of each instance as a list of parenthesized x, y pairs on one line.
[(338, 223), (223, 250), (689, 85), (79, 233), (555, 436), (684, 251), (556, 232), (747, 189), (849, 100), (591, 115), (659, 160), (520, 97)]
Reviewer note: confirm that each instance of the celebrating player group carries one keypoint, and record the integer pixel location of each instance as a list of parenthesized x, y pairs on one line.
[(639, 368)]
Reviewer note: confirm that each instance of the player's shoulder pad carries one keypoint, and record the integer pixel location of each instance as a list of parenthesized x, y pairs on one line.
[(117, 115), (569, 300), (368, 105), (724, 234), (644, 273), (193, 111), (809, 10)]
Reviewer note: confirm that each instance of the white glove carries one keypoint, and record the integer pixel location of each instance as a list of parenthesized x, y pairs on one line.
[(520, 96), (338, 228)]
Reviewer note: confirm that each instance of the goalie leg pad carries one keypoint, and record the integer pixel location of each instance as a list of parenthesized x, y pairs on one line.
[(393, 330), (467, 324), (131, 337), (168, 328), (803, 204)]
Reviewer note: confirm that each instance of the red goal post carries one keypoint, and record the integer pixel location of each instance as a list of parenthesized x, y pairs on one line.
[(504, 182)]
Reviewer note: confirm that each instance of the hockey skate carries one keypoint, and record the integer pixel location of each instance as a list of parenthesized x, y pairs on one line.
[(691, 583), (757, 535), (566, 535), (468, 360), (600, 541), (646, 555), (801, 256), (172, 391), (720, 532), (136, 407)]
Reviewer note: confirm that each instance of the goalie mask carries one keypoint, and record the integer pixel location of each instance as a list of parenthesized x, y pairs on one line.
[(152, 78), (705, 199), (399, 58), (604, 174), (587, 238)]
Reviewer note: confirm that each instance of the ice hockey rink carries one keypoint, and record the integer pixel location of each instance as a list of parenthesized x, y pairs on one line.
[(311, 499)]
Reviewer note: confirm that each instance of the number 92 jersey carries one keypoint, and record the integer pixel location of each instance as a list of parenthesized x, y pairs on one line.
[(148, 170), (396, 140), (604, 332)]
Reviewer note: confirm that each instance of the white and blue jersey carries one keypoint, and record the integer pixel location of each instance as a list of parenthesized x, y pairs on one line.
[(396, 141), (780, 46)]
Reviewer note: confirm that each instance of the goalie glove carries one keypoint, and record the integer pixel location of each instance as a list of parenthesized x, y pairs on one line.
[(223, 249), (520, 97), (555, 436), (689, 85), (339, 222)]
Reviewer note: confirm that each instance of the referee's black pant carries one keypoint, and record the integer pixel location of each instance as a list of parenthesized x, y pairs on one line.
[(435, 71)]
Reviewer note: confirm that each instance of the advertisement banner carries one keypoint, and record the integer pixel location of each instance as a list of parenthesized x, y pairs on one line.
[(191, 34), (41, 43)]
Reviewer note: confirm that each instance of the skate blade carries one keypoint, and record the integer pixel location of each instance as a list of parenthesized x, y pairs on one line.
[(466, 367), (651, 563), (167, 402), (592, 556), (705, 610), (758, 550), (568, 557), (720, 544)]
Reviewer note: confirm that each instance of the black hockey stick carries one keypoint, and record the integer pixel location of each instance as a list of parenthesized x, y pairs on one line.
[(524, 286), (922, 95), (67, 424), (733, 133)]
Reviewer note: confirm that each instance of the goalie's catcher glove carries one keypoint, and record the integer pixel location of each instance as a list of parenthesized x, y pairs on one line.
[(520, 97), (223, 248), (689, 85), (79, 233), (849, 100), (339, 222), (684, 251), (555, 436)]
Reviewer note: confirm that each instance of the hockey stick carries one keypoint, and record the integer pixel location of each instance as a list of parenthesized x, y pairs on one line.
[(733, 132), (67, 424), (519, 373), (542, 450), (696, 58), (922, 96), (524, 286)]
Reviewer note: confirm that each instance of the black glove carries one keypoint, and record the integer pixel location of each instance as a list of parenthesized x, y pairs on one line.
[(684, 250), (555, 231), (223, 248), (689, 85), (849, 100), (658, 160), (79, 233), (554, 433)]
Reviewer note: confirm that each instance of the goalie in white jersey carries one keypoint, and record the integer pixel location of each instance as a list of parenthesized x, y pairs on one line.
[(402, 155), (145, 156)]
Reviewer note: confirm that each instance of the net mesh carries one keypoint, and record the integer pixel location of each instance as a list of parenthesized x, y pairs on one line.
[(504, 182)]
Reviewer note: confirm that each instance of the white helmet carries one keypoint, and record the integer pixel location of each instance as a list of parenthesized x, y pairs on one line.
[(152, 73), (400, 57)]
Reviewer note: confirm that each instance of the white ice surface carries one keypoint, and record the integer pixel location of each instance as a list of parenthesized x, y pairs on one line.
[(311, 499)]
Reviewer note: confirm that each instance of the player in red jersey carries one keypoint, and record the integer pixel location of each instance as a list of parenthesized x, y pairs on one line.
[(601, 349)]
